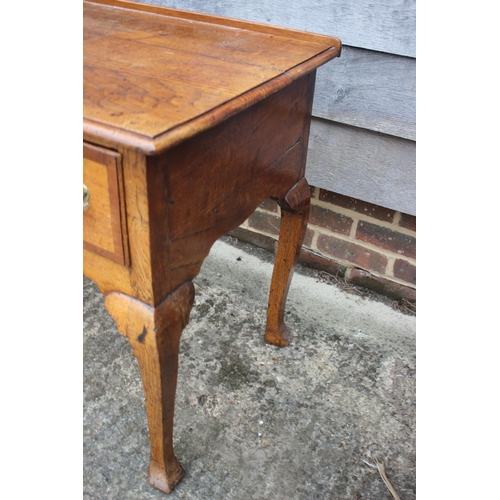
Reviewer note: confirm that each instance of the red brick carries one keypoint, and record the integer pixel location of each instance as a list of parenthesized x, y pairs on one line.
[(408, 222), (331, 220), (388, 239), (405, 271), (362, 207), (265, 222), (351, 252), (321, 263), (382, 285)]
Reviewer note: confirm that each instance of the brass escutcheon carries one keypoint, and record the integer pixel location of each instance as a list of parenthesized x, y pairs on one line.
[(86, 198)]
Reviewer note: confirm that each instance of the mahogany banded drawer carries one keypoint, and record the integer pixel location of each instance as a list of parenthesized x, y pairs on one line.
[(104, 227)]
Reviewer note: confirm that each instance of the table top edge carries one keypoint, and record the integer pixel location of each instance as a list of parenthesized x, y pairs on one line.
[(106, 135)]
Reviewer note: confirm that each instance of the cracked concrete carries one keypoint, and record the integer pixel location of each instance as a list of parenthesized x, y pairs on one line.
[(254, 421)]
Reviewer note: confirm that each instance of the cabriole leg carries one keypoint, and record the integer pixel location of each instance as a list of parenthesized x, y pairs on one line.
[(154, 334), (294, 218)]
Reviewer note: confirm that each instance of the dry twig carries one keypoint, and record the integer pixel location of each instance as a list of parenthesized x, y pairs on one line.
[(381, 469), (405, 306)]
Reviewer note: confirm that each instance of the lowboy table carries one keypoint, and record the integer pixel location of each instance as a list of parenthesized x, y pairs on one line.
[(190, 122)]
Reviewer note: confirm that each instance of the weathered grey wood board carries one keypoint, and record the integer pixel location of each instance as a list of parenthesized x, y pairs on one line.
[(382, 25), (370, 90), (365, 165)]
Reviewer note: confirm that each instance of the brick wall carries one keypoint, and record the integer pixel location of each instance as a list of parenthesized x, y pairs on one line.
[(367, 244)]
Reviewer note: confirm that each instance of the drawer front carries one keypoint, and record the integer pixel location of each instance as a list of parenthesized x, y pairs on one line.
[(104, 228)]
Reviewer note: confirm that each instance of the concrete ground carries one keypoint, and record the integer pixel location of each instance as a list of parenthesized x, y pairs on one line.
[(254, 421)]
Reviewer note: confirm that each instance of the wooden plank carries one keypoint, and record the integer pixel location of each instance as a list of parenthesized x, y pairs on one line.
[(381, 25), (160, 99), (376, 168), (368, 89)]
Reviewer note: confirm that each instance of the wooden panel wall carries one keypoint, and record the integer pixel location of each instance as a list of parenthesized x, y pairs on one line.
[(372, 167), (363, 140)]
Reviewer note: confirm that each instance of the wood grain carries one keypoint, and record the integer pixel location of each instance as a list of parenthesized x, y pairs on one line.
[(294, 218), (103, 225), (259, 153), (153, 76), (238, 22), (183, 36), (154, 334)]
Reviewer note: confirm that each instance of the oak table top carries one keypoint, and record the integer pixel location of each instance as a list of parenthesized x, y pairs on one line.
[(155, 76), (190, 121)]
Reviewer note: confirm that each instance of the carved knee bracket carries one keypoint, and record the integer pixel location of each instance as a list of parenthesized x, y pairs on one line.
[(297, 199)]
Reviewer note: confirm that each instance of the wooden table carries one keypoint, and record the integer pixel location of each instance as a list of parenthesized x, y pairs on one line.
[(190, 122)]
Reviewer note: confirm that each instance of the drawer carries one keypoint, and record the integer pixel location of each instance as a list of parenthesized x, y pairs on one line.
[(104, 225)]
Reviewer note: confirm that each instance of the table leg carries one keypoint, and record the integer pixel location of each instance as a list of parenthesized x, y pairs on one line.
[(154, 334), (294, 218)]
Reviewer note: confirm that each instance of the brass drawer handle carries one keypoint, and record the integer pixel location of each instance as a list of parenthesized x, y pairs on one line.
[(86, 198)]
